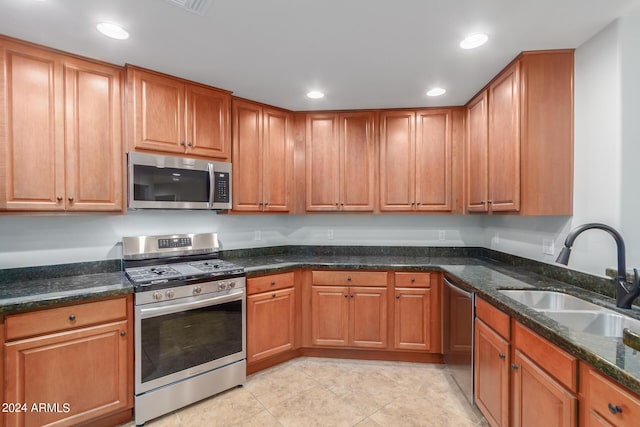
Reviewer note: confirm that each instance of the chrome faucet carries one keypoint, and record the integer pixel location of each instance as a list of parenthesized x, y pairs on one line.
[(625, 292)]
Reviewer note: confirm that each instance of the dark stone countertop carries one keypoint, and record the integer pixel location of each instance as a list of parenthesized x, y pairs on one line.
[(485, 277), (24, 289)]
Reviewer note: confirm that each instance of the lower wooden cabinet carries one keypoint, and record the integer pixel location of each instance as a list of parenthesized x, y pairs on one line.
[(73, 375), (605, 403), (271, 315)]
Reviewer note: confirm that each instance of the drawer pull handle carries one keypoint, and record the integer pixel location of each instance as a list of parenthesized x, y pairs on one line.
[(348, 278), (72, 317), (123, 333), (502, 356), (273, 295), (614, 409), (413, 279), (273, 283)]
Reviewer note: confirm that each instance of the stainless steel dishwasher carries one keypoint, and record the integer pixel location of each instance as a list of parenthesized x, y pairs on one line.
[(459, 311)]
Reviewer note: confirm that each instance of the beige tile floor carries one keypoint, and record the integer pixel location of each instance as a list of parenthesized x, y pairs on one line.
[(335, 392)]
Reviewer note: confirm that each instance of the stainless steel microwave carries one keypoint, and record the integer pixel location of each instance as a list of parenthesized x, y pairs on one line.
[(168, 182)]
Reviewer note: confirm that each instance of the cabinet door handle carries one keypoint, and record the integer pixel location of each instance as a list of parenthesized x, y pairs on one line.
[(514, 367), (123, 333), (397, 296), (182, 143), (71, 198), (59, 198), (614, 409), (351, 295), (346, 295), (72, 317), (502, 356), (190, 144)]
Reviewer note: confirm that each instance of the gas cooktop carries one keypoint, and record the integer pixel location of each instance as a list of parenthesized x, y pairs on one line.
[(163, 273)]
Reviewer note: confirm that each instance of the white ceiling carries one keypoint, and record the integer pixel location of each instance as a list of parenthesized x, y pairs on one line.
[(362, 53)]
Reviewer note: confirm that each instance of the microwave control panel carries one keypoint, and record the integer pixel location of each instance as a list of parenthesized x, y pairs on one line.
[(221, 187)]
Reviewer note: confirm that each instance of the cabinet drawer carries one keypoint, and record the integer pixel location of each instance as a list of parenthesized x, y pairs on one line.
[(255, 285), (608, 400), (350, 278), (493, 317), (63, 318), (413, 280), (559, 364)]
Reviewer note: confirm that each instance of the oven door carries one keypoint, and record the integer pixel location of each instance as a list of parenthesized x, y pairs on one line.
[(175, 340)]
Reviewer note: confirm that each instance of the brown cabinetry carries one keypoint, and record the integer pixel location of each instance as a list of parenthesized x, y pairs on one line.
[(604, 403), (271, 310), (60, 131), (416, 312), (170, 115), (79, 359), (416, 160), (262, 158), (340, 160), (345, 313), (520, 138)]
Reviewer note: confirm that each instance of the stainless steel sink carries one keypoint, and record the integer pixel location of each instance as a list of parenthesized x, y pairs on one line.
[(550, 300), (576, 314), (604, 323)]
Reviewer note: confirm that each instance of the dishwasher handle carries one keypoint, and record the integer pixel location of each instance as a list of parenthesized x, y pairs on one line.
[(456, 289)]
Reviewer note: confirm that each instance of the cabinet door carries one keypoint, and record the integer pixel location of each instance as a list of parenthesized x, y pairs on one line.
[(504, 141), (323, 172), (368, 317), (31, 129), (357, 164), (491, 374), (277, 161), (397, 160), (270, 323), (477, 162), (85, 368), (247, 157), (93, 137), (330, 315), (159, 117), (538, 399), (208, 112), (411, 319), (433, 160)]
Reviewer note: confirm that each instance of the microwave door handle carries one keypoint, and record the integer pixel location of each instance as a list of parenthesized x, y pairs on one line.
[(149, 312), (212, 184)]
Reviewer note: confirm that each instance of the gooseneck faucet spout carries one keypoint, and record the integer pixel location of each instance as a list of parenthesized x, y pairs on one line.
[(625, 292)]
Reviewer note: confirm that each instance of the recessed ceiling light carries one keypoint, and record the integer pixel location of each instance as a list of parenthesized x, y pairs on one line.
[(474, 40), (315, 94), (114, 31), (436, 91)]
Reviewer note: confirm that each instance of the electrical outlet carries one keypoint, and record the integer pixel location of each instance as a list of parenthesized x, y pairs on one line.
[(548, 247), (330, 234), (441, 235), (257, 235), (496, 238)]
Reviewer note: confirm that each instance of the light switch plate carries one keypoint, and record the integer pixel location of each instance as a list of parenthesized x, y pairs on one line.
[(548, 247)]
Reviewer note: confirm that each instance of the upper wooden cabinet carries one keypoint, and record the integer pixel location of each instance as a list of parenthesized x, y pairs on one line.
[(262, 158), (416, 160), (60, 131), (519, 149), (171, 115), (340, 159)]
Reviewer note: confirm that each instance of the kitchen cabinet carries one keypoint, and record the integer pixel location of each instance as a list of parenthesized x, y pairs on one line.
[(271, 313), (60, 133), (349, 309), (78, 359), (519, 146), (605, 403), (416, 161), (416, 312), (340, 161), (175, 116), (543, 377), (262, 158)]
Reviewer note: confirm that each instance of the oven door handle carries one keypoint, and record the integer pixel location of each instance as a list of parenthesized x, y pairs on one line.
[(147, 312)]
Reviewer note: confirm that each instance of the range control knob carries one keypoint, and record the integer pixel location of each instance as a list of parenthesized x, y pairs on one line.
[(157, 296), (232, 285), (222, 286), (170, 293), (197, 290)]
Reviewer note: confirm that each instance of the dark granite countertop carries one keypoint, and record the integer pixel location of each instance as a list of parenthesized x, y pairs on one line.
[(23, 289)]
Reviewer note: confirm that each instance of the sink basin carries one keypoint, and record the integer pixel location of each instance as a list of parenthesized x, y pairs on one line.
[(550, 300), (603, 323)]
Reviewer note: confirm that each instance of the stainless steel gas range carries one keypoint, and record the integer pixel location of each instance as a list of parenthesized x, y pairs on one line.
[(190, 311)]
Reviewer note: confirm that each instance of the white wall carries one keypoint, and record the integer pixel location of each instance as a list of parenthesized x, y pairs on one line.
[(43, 240)]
